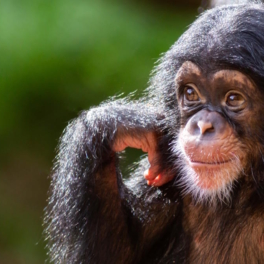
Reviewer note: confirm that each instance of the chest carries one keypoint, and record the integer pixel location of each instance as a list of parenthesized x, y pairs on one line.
[(224, 235)]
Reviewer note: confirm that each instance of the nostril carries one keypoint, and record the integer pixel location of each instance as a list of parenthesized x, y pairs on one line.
[(210, 129), (205, 126)]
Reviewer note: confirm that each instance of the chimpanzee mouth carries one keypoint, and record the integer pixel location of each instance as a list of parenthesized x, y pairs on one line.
[(196, 163)]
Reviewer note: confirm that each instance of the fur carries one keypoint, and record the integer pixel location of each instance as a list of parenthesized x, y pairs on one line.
[(94, 216)]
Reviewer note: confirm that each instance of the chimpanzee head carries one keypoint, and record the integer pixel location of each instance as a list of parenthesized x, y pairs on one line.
[(212, 84)]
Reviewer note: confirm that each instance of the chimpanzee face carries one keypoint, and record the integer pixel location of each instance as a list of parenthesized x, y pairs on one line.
[(214, 154)]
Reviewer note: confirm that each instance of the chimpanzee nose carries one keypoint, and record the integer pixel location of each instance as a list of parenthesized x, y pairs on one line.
[(206, 123), (205, 126)]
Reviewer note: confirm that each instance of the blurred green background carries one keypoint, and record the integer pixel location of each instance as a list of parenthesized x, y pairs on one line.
[(57, 58)]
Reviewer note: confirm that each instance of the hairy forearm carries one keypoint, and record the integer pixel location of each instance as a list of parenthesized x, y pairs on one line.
[(86, 185)]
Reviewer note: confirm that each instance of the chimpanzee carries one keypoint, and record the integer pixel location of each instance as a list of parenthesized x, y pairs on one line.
[(202, 125)]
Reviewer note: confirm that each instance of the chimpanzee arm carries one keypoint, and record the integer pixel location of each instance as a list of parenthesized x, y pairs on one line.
[(86, 219)]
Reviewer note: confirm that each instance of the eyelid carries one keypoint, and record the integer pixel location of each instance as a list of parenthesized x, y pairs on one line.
[(193, 86), (234, 92), (238, 93)]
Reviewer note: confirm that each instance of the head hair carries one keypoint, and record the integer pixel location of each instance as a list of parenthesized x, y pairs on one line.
[(229, 37)]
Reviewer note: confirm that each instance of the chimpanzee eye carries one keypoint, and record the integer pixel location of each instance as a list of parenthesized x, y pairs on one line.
[(234, 99), (190, 94)]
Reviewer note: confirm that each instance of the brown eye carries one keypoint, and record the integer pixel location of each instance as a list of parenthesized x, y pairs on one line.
[(234, 99), (190, 94)]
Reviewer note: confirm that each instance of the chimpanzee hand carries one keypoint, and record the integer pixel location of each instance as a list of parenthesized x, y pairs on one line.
[(147, 143)]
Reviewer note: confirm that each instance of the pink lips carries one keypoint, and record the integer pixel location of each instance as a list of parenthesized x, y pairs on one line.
[(200, 164)]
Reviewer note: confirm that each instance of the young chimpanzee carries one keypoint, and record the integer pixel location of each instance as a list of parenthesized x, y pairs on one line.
[(202, 125)]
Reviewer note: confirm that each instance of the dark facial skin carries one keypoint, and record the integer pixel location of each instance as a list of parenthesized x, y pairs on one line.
[(210, 146)]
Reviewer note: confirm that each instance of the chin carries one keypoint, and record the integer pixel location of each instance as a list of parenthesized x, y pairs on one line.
[(208, 181)]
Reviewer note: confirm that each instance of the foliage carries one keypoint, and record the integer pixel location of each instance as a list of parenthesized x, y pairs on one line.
[(57, 58)]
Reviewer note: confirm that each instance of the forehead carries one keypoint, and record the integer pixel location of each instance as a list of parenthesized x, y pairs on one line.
[(188, 67), (189, 71)]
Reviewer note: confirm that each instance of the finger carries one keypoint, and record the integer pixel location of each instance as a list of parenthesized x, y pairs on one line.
[(152, 157), (159, 180), (152, 172), (149, 175)]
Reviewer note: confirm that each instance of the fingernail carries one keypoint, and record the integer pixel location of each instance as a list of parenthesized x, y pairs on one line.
[(148, 182), (146, 173)]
